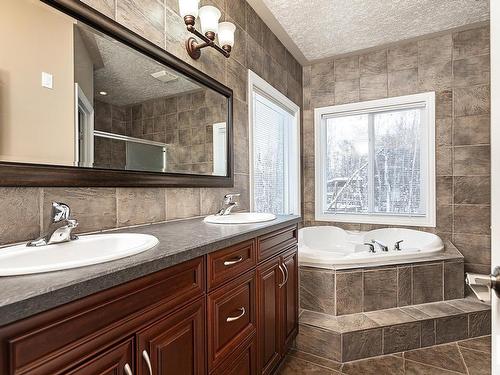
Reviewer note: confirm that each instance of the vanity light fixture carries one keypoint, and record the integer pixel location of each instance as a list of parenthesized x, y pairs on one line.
[(210, 28)]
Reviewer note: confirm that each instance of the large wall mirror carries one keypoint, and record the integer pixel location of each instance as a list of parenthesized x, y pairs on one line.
[(83, 101)]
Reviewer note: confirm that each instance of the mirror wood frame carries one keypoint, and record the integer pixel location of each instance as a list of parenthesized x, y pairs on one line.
[(37, 175)]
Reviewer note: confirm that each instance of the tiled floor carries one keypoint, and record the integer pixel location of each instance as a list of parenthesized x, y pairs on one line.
[(470, 357)]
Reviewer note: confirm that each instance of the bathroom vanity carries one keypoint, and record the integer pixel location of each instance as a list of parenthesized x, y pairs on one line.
[(224, 305)]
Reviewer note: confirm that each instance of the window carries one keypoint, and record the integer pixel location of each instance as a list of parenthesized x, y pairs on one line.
[(274, 149), (375, 161)]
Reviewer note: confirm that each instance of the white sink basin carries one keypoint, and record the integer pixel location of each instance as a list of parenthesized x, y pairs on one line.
[(87, 250), (240, 218)]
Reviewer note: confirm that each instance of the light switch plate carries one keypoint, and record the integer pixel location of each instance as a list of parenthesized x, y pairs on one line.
[(47, 80)]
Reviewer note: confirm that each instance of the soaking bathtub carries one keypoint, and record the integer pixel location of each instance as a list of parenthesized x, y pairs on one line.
[(333, 247)]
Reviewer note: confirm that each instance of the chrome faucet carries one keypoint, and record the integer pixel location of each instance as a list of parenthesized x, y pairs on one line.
[(229, 204), (382, 245), (60, 227), (371, 248), (397, 245)]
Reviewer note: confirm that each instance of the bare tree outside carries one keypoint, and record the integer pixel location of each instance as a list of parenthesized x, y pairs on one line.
[(373, 163)]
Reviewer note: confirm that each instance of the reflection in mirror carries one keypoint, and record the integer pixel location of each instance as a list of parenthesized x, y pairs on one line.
[(74, 96)]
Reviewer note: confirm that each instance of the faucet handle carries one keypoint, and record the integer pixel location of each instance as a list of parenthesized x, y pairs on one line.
[(229, 198), (397, 246), (371, 246), (60, 212)]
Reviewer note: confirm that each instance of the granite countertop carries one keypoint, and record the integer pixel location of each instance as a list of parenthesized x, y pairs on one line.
[(23, 296)]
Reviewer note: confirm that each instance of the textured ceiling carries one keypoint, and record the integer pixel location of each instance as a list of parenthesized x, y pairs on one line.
[(126, 74), (324, 28)]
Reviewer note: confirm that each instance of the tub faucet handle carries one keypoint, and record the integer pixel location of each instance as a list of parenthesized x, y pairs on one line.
[(371, 247), (397, 245)]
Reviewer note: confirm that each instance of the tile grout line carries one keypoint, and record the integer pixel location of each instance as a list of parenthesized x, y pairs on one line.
[(462, 358)]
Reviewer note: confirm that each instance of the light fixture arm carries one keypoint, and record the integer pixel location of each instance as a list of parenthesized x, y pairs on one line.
[(194, 48)]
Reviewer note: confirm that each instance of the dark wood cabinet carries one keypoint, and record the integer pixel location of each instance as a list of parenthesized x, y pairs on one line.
[(289, 299), (231, 312), (231, 317), (269, 280), (174, 345), (119, 360), (277, 321)]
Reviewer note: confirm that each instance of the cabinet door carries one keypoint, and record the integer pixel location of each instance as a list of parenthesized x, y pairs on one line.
[(269, 278), (243, 363), (118, 360), (289, 299), (174, 345)]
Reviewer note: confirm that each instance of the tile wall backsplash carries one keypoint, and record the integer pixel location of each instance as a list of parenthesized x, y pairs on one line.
[(24, 211), (456, 67)]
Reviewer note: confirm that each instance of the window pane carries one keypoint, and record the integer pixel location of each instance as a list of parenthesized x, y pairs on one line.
[(397, 177), (346, 175), (269, 157)]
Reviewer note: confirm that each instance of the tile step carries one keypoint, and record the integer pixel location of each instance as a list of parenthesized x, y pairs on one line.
[(356, 336)]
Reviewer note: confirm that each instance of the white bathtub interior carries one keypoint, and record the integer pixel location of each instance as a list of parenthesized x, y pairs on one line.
[(333, 247)]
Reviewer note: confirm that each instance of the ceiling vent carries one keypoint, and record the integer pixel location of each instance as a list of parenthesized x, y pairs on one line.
[(164, 76)]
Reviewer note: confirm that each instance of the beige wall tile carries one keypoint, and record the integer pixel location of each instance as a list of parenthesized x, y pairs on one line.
[(20, 218), (427, 283), (472, 219), (472, 42), (139, 206), (373, 87), (471, 71), (349, 288), (453, 280), (373, 63), (471, 160), (183, 203), (147, 18), (435, 50), (322, 84), (471, 130), (347, 68), (106, 7), (402, 57), (474, 100), (475, 248), (94, 208), (403, 82), (380, 289), (472, 190), (347, 91)]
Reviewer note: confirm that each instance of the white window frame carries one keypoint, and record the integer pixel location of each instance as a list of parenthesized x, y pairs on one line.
[(423, 100), (256, 84)]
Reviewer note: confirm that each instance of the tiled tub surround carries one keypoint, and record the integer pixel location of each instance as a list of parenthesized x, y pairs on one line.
[(346, 291), (363, 335), (455, 66), (24, 210)]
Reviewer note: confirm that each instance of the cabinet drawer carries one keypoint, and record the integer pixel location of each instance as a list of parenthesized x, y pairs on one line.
[(223, 265), (112, 362), (241, 362), (275, 242), (50, 342), (231, 317)]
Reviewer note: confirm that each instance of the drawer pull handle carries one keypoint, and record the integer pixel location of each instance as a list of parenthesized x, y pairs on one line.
[(233, 318), (127, 369), (284, 276), (233, 261), (145, 356)]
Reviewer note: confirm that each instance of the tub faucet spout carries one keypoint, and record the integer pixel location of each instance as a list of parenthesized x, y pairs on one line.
[(382, 245), (371, 248)]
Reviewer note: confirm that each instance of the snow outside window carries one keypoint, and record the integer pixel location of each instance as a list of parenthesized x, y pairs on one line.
[(375, 161)]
